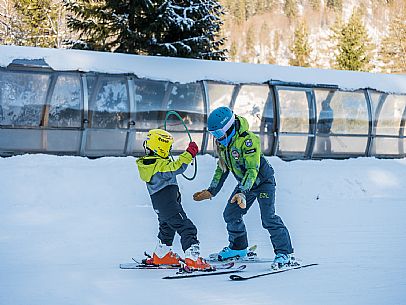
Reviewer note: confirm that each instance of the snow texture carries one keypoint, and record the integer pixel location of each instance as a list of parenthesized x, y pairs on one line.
[(66, 223), (190, 70)]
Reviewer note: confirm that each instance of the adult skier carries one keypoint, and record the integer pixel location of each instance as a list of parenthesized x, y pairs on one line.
[(240, 153), (159, 173)]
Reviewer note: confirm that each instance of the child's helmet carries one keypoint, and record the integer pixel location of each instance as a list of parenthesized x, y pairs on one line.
[(159, 141), (221, 124)]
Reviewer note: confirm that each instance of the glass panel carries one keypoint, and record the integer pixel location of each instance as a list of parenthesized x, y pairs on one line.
[(149, 96), (219, 95), (385, 146), (294, 111), (91, 82), (110, 106), (266, 143), (340, 145), (66, 141), (376, 97), (105, 141), (341, 112), (64, 109), (25, 140), (22, 97), (292, 144), (250, 103), (391, 115), (187, 100), (210, 143), (268, 128)]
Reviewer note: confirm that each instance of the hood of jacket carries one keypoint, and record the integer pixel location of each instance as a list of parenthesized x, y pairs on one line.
[(244, 126), (147, 167)]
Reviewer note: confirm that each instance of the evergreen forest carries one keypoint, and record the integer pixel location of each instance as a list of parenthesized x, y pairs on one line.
[(365, 35)]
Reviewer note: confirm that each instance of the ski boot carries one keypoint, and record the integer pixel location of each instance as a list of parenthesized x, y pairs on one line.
[(281, 260), (229, 254), (163, 255), (194, 262)]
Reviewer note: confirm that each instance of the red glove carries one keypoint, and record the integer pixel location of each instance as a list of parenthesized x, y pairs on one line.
[(192, 149)]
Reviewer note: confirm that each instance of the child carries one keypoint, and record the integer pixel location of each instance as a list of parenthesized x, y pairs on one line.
[(159, 173)]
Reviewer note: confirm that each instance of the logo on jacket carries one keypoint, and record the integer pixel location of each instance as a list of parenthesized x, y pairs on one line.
[(235, 154), (248, 143)]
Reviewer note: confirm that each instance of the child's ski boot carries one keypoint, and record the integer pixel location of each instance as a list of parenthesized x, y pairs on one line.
[(163, 255), (193, 261)]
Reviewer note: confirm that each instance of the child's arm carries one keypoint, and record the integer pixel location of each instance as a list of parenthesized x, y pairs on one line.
[(179, 166)]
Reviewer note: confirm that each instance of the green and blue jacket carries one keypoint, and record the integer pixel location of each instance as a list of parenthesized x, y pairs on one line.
[(244, 159)]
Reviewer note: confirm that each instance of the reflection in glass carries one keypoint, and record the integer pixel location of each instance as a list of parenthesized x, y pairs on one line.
[(22, 98), (385, 146), (390, 116), (292, 144), (149, 96), (250, 103), (343, 113), (341, 145), (294, 111), (187, 100), (268, 128), (64, 108), (110, 106), (219, 95), (349, 109)]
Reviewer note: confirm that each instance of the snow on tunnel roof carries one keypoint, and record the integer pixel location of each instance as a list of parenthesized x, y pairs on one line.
[(184, 70)]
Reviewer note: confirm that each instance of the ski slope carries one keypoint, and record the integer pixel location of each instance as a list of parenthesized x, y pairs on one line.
[(66, 223)]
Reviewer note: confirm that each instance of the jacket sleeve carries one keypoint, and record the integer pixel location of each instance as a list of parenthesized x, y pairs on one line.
[(218, 180), (178, 166), (251, 150)]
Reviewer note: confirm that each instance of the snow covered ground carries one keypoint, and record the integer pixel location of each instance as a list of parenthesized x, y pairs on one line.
[(67, 222)]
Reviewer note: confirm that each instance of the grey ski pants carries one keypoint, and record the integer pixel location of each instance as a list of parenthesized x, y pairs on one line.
[(233, 216)]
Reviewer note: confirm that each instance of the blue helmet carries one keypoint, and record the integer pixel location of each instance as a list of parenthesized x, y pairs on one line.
[(221, 124)]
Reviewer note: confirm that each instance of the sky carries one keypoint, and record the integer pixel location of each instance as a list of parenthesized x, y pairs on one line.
[(66, 223)]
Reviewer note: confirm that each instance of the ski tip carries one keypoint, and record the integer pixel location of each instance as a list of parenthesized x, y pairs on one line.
[(236, 277), (252, 248)]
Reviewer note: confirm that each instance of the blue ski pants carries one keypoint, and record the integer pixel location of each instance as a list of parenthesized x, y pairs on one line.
[(233, 216)]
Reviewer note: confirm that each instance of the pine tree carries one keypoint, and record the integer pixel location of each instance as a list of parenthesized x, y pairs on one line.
[(36, 23), (233, 54), (353, 45), (335, 5), (300, 47), (393, 50), (250, 8), (264, 39), (188, 29), (314, 4), (240, 12), (180, 28), (290, 8), (250, 42), (7, 20)]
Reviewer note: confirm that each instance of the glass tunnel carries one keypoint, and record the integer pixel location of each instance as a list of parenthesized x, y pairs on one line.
[(93, 114)]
